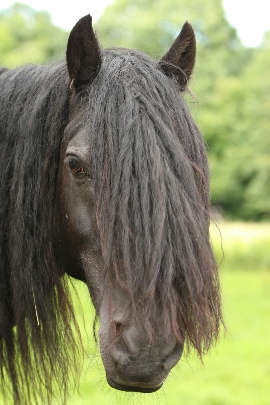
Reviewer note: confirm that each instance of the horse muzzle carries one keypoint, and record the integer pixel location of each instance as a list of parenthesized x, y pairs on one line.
[(132, 363)]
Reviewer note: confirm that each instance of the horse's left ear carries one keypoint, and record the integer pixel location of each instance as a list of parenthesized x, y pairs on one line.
[(179, 61), (83, 54)]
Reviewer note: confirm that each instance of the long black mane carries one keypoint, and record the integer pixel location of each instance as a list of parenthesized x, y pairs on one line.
[(152, 211), (33, 113)]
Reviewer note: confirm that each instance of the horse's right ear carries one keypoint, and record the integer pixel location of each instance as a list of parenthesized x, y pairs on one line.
[(83, 54)]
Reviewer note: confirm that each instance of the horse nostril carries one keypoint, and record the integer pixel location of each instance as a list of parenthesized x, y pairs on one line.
[(118, 326)]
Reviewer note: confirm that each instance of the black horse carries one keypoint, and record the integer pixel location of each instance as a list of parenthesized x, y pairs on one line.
[(104, 177)]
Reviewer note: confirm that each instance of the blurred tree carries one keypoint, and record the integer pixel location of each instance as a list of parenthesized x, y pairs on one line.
[(256, 132), (240, 159), (28, 36)]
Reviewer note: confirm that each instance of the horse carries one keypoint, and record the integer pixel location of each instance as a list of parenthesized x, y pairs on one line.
[(105, 179)]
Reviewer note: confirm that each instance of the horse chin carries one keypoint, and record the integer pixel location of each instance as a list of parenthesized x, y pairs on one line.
[(134, 387), (135, 380)]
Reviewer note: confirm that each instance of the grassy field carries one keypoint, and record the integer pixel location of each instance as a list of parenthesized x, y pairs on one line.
[(237, 371)]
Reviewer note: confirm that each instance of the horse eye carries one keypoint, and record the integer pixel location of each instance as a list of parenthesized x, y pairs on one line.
[(75, 166)]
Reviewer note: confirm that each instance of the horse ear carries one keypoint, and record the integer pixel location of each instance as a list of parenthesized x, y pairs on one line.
[(179, 61), (83, 54)]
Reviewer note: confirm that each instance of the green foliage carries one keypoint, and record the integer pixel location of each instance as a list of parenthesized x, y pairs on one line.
[(28, 36), (238, 140)]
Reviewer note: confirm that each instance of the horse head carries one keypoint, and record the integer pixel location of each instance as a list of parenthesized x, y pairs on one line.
[(131, 214)]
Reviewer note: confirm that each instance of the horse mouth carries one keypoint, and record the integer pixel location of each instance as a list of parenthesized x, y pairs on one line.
[(137, 387)]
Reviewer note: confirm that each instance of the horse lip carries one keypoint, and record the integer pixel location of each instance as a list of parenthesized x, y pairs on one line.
[(133, 388)]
